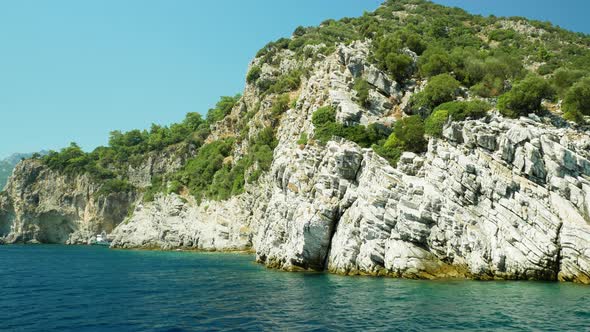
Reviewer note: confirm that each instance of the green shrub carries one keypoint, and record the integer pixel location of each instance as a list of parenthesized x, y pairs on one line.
[(502, 34), (485, 73), (440, 89), (547, 68), (525, 97), (490, 86), (398, 65), (390, 153), (265, 84), (362, 88), (155, 188), (69, 159), (199, 172), (456, 111), (280, 105), (461, 110), (299, 31), (435, 61), (577, 101), (323, 115), (286, 83), (324, 121), (574, 116), (174, 187), (303, 139), (228, 181), (114, 186), (412, 41), (253, 74), (387, 53), (563, 78), (222, 108), (293, 104), (260, 153), (408, 135), (433, 125)]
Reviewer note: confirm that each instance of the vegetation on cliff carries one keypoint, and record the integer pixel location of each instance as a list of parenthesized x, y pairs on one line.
[(514, 62), (465, 64)]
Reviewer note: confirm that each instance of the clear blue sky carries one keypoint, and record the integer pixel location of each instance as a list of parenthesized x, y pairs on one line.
[(74, 70)]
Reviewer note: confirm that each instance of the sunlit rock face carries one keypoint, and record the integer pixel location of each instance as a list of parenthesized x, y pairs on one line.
[(41, 205), (492, 198)]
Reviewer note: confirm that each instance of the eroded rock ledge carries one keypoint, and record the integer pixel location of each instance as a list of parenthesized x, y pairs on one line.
[(494, 198)]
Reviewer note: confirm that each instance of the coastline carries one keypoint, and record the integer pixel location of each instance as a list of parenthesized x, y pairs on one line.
[(453, 273)]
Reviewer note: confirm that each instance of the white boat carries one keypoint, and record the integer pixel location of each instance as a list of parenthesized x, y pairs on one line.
[(102, 239)]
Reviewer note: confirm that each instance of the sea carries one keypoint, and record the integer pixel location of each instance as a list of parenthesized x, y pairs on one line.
[(91, 288)]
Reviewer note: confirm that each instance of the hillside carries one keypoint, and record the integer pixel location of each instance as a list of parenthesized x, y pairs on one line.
[(416, 141)]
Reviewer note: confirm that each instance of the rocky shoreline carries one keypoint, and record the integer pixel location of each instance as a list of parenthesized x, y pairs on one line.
[(494, 198)]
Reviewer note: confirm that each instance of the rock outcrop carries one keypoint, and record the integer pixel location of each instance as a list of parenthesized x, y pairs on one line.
[(492, 198), (170, 223), (40, 205)]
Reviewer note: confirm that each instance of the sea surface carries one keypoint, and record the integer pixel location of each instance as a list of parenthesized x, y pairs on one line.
[(71, 288)]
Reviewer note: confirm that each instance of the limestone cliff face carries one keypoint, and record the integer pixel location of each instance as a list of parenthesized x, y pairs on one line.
[(493, 198), (46, 206), (172, 223)]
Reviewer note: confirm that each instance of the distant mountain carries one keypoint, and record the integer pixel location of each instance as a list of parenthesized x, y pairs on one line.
[(8, 164)]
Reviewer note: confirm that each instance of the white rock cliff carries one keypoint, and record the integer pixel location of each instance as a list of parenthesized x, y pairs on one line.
[(493, 198)]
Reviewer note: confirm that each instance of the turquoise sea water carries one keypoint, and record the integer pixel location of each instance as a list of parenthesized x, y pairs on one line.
[(60, 288)]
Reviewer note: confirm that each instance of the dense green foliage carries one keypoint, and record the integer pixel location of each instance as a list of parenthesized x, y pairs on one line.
[(407, 135), (111, 186), (199, 172), (563, 79), (281, 84), (577, 101), (440, 89), (455, 111), (326, 127), (362, 88), (486, 75), (253, 74), (222, 108), (125, 148), (303, 139), (390, 58), (435, 61), (323, 115), (411, 40), (280, 105), (525, 97), (110, 164), (434, 124), (461, 110), (486, 55), (130, 147), (213, 174)]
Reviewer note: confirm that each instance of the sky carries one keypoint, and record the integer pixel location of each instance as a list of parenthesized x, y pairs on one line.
[(75, 70)]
